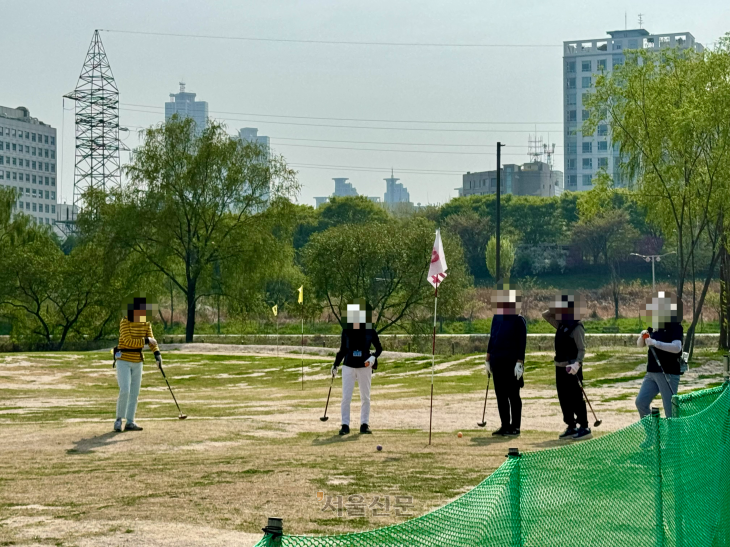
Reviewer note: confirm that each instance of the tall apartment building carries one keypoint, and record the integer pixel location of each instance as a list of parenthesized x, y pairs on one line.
[(535, 178), (395, 192), (342, 189), (184, 105), (251, 134), (28, 163), (583, 60)]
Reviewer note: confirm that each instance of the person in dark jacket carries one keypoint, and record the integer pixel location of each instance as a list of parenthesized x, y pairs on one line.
[(570, 350), (357, 339), (505, 358), (663, 364)]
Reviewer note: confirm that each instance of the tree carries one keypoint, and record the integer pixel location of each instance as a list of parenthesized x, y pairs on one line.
[(668, 112), (506, 257), (350, 210), (473, 230), (193, 201), (387, 264)]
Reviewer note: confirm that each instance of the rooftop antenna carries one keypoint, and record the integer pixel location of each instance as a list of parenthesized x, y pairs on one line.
[(641, 20), (626, 20)]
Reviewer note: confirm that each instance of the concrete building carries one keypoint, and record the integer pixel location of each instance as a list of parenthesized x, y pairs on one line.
[(530, 179), (342, 189), (28, 163), (184, 105), (251, 134), (395, 192), (583, 60)]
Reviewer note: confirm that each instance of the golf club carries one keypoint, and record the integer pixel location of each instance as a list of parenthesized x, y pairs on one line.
[(597, 422), (484, 412), (325, 418), (181, 416)]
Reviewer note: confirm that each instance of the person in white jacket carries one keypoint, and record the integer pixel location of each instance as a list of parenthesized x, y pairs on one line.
[(664, 340)]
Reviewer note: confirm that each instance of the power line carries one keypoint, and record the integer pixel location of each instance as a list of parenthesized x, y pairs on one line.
[(484, 146), (485, 153), (355, 119), (450, 130), (330, 42), (385, 170)]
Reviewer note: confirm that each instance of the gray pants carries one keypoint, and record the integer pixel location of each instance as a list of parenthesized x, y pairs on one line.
[(655, 383), (129, 378)]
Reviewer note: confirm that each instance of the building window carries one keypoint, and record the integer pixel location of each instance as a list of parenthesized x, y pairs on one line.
[(46, 139), (585, 66), (572, 163), (587, 163), (602, 130), (602, 146), (53, 182), (633, 44), (571, 99), (46, 152), (53, 209), (53, 141), (618, 46), (27, 149), (572, 115), (570, 67), (587, 147), (53, 154), (47, 194), (585, 114), (32, 137), (27, 135), (617, 61), (34, 191), (601, 64), (572, 181), (572, 147), (47, 208), (603, 163), (570, 82), (587, 180), (14, 147), (585, 82)]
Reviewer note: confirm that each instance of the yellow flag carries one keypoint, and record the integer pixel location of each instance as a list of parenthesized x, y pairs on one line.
[(275, 309), (301, 295)]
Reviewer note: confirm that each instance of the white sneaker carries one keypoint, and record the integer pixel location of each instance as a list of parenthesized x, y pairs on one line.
[(118, 425)]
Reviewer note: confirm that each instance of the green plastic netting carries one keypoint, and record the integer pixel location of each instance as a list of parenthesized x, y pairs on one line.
[(659, 482)]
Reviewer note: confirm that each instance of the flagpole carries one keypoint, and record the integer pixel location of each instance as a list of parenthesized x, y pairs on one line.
[(433, 359), (302, 346)]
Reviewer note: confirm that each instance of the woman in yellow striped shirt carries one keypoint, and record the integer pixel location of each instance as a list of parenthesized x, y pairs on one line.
[(135, 332)]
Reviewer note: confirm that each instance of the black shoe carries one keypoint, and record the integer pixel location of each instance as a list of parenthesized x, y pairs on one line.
[(501, 432), (568, 433), (118, 425), (582, 434), (365, 428), (345, 429), (131, 426), (512, 433)]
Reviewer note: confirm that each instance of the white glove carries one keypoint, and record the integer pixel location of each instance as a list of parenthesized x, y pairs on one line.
[(643, 332), (370, 361), (519, 370), (158, 358), (152, 341), (333, 371), (650, 342), (573, 369), (487, 367)]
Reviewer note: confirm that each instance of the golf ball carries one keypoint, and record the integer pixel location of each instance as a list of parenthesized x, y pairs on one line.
[(459, 434), (379, 448)]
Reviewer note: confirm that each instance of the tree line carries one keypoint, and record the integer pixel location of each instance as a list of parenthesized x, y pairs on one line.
[(210, 220)]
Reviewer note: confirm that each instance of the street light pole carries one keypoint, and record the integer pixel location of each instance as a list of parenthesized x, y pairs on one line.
[(499, 206), (653, 259)]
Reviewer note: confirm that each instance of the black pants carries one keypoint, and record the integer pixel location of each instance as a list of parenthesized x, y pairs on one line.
[(571, 397), (507, 391)]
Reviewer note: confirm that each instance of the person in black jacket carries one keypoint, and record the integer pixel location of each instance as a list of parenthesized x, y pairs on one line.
[(570, 350), (506, 357), (357, 339), (664, 341)]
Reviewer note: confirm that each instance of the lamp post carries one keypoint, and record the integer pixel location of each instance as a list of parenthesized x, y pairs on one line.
[(653, 259), (499, 199)]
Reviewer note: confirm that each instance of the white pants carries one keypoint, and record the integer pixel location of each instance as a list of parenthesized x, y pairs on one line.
[(129, 378), (364, 377)]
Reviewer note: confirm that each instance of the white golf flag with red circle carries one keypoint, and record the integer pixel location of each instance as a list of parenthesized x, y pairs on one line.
[(437, 270)]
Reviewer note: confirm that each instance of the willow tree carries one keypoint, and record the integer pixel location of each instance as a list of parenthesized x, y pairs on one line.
[(194, 199), (669, 115)]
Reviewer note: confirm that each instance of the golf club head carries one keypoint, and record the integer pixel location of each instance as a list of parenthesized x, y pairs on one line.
[(597, 423), (481, 424), (324, 418), (182, 417)]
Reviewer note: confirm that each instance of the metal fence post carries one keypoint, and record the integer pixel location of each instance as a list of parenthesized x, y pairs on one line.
[(515, 499), (658, 501), (274, 530)]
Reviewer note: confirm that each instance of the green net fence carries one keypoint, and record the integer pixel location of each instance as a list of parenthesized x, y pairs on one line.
[(659, 482)]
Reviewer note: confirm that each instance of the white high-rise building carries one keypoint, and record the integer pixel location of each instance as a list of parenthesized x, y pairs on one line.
[(184, 105), (251, 134), (28, 163), (583, 60)]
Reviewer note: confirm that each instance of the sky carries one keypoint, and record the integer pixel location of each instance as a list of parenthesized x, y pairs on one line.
[(316, 101)]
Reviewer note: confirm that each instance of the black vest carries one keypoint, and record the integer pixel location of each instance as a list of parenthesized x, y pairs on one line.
[(565, 348), (669, 361)]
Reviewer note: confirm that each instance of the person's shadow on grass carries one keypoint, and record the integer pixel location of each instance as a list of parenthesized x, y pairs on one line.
[(335, 439), (87, 446)]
